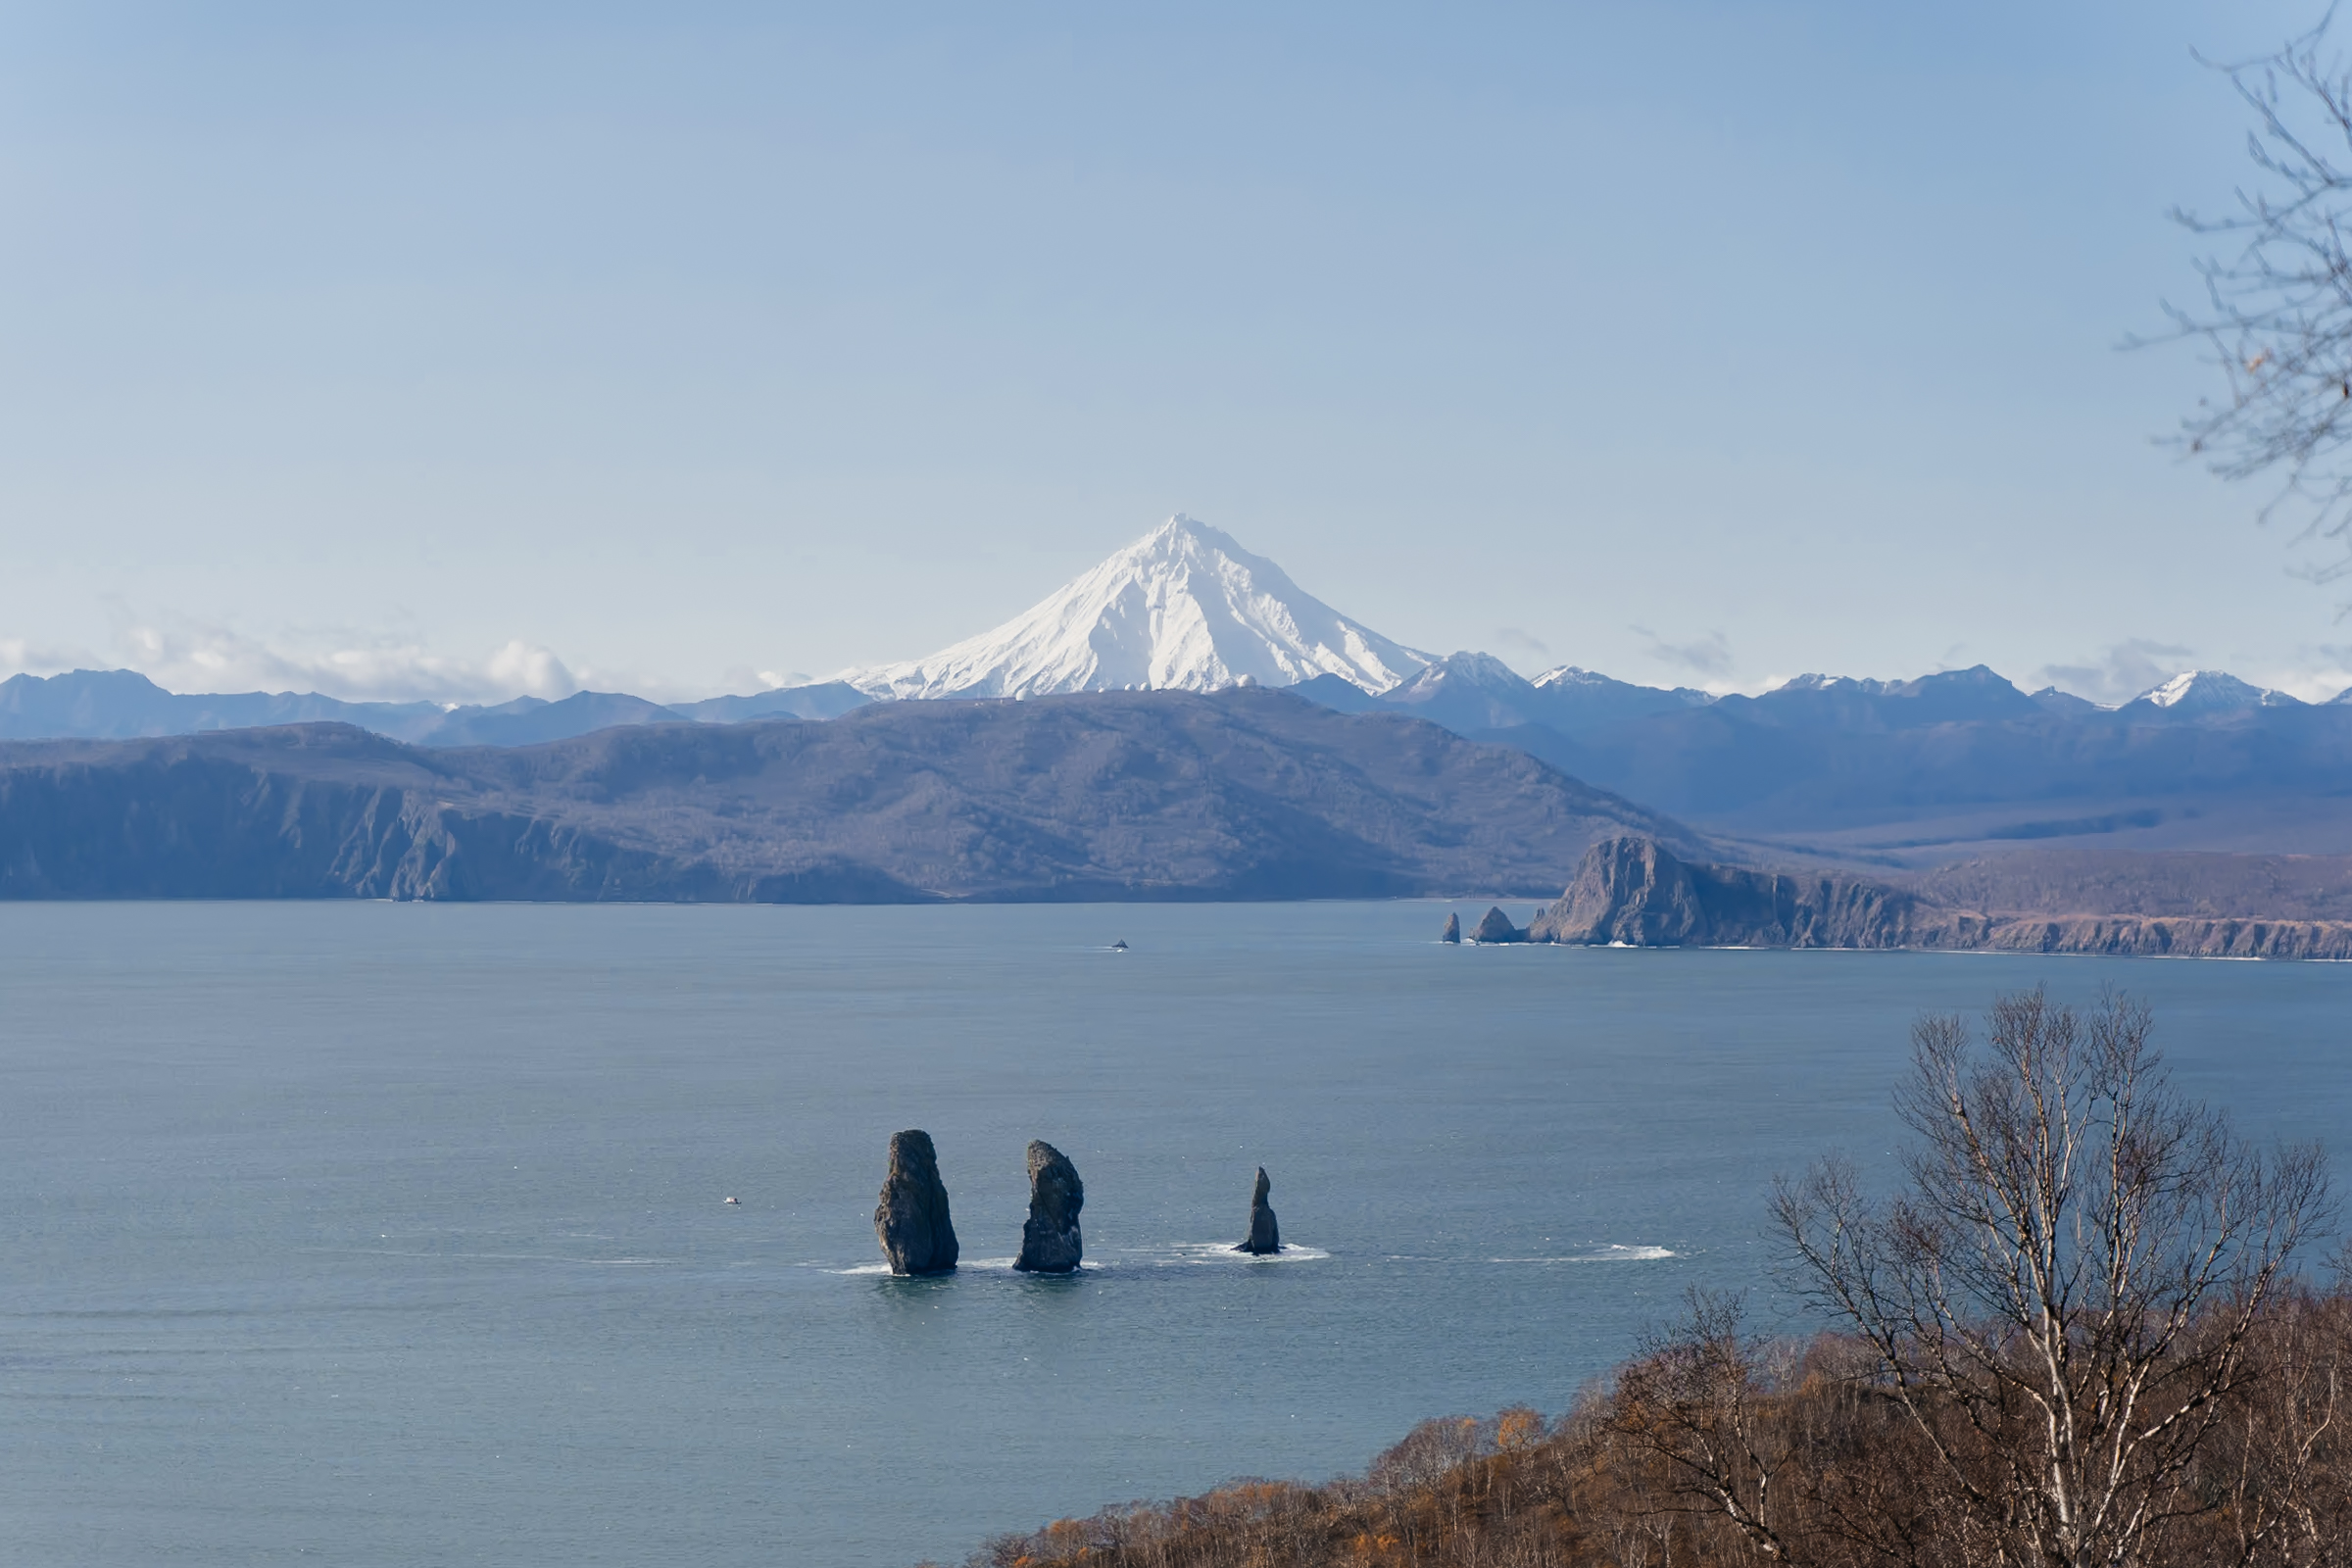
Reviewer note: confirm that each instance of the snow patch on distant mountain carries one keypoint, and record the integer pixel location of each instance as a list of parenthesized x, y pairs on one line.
[(1465, 668), (2210, 690), (1184, 608), (1570, 679), (1467, 692)]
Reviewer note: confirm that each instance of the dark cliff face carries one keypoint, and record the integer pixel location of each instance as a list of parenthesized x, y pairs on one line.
[(1239, 795), (308, 814), (910, 1218), (1630, 890), (1633, 891), (1051, 1243)]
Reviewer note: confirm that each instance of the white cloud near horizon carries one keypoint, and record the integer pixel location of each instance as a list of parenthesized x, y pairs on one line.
[(1708, 655), (2326, 674), (2127, 670), (213, 659), (183, 655), (1520, 637), (23, 656), (2124, 671)]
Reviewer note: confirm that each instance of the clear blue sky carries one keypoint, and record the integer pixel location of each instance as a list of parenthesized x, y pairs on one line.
[(350, 346)]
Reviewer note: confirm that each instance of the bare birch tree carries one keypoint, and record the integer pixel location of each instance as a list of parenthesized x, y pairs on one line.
[(2062, 1299), (1691, 1403)]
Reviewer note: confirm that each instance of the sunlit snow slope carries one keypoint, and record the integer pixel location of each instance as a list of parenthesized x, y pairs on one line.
[(2212, 691), (1184, 607)]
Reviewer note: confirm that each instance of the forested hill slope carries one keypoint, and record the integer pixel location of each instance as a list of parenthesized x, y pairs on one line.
[(1239, 794)]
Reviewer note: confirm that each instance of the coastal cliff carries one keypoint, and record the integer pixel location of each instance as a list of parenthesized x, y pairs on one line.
[(1632, 892), (1636, 891)]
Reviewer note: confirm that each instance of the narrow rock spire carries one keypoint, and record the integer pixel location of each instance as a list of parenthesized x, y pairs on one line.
[(1453, 929), (1049, 1242), (912, 1220), (1265, 1235)]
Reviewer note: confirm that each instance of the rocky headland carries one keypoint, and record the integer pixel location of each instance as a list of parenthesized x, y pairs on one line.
[(1633, 891), (1050, 1241)]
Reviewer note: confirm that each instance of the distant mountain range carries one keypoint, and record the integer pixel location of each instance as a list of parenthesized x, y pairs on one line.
[(1897, 775), (124, 705), (1910, 773), (1239, 794)]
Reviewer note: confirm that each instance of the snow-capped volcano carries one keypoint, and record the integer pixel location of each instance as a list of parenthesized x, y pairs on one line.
[(1184, 607)]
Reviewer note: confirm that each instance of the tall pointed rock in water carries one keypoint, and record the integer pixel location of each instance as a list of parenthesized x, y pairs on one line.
[(1049, 1242), (1265, 1235), (1453, 929), (912, 1217)]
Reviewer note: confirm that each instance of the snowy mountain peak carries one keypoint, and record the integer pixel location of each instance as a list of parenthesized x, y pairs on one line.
[(1465, 668), (2210, 690), (1184, 607), (1571, 676)]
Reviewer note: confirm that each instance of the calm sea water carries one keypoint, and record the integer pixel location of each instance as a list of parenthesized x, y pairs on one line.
[(394, 1234)]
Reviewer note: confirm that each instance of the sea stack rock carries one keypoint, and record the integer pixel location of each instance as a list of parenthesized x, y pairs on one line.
[(1497, 927), (1453, 929), (912, 1217), (1265, 1235), (1049, 1242)]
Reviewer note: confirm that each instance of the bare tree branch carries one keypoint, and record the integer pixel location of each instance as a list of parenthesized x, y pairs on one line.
[(2277, 315)]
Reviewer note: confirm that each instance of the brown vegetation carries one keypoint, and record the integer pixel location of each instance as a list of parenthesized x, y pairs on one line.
[(2076, 1339)]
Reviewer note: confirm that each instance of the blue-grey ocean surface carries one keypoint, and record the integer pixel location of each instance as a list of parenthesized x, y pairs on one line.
[(381, 1234)]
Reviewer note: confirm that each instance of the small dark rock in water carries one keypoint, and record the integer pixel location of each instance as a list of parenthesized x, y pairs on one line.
[(1265, 1235), (1497, 927), (1049, 1242), (1119, 946), (912, 1217), (1453, 929)]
